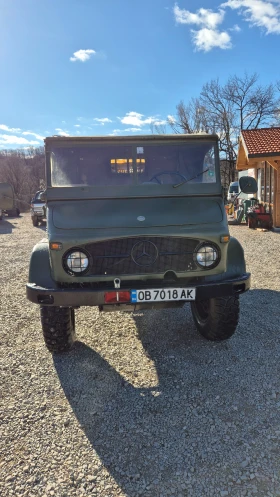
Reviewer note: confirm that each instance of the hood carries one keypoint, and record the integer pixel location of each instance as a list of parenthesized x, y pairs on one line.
[(135, 213)]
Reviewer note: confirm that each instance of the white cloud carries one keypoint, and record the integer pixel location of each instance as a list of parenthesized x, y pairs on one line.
[(206, 39), (260, 13), (82, 55), (7, 140), (115, 132), (60, 132), (77, 125), (16, 140), (135, 119), (171, 119), (103, 120), (132, 130), (208, 36), (160, 122), (93, 121), (11, 130), (235, 28), (39, 137), (203, 17)]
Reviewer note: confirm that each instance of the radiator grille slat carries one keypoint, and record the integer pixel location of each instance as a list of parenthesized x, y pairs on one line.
[(115, 257)]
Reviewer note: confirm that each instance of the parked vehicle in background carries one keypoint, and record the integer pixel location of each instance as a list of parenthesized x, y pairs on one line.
[(233, 190), (6, 198), (136, 223), (38, 209)]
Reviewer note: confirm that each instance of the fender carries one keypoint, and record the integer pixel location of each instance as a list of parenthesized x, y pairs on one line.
[(40, 269), (236, 265)]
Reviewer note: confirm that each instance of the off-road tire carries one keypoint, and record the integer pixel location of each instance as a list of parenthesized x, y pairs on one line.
[(216, 319), (58, 325), (13, 212), (35, 221)]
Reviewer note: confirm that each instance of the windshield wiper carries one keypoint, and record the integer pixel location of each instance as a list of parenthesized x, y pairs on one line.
[(186, 181)]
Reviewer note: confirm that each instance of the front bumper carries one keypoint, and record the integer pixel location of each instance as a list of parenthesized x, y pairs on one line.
[(38, 214), (38, 211), (77, 297)]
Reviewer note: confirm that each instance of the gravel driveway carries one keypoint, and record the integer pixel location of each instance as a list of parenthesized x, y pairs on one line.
[(143, 405)]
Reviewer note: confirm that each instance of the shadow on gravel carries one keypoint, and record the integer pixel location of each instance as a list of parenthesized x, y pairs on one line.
[(6, 227), (42, 227), (203, 414)]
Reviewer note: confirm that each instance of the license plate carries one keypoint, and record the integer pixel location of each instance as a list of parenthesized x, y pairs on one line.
[(162, 295)]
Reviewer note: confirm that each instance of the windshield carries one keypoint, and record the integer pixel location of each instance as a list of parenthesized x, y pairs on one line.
[(120, 165)]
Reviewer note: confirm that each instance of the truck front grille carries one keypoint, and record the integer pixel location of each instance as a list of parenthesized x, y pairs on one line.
[(39, 211), (141, 255)]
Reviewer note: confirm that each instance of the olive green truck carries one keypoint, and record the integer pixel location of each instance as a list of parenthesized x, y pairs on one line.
[(136, 223)]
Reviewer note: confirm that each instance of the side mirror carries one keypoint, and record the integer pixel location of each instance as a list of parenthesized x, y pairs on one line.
[(248, 184), (43, 197)]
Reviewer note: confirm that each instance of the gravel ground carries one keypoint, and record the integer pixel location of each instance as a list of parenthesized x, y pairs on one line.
[(143, 405)]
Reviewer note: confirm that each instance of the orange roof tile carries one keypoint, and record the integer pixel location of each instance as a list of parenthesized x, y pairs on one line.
[(263, 141)]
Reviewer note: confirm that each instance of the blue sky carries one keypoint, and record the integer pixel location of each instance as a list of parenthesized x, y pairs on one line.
[(101, 67)]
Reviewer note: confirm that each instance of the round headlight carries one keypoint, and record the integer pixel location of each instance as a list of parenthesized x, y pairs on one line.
[(206, 256), (77, 261)]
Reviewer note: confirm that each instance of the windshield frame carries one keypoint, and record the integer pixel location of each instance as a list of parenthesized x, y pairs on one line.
[(134, 190)]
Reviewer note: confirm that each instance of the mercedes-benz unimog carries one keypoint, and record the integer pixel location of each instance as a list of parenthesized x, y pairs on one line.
[(136, 223)]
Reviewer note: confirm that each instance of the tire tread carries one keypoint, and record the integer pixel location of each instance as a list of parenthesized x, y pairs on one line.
[(58, 328), (222, 320)]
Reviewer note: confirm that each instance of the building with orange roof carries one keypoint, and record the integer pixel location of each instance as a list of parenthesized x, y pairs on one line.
[(259, 151)]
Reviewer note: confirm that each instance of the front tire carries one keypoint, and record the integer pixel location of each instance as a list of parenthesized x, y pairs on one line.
[(216, 319), (58, 325), (35, 221)]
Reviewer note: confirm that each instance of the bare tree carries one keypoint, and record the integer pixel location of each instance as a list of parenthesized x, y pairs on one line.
[(254, 104), (25, 170), (220, 115), (158, 129), (190, 118), (277, 111), (241, 103)]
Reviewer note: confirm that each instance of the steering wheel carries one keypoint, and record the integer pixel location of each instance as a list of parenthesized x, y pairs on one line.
[(167, 172)]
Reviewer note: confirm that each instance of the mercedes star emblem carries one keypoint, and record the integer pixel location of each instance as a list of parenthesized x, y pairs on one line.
[(144, 253)]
